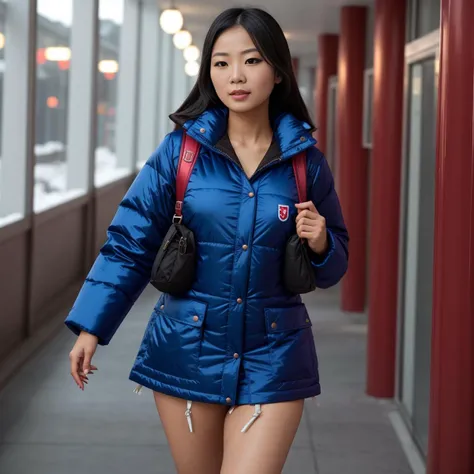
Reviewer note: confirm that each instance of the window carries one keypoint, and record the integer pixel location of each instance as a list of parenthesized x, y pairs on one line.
[(368, 105), (423, 17), (331, 147), (5, 216), (107, 168), (52, 80), (419, 182), (2, 62)]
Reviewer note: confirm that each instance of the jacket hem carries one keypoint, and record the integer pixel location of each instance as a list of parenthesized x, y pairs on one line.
[(262, 398), (175, 391)]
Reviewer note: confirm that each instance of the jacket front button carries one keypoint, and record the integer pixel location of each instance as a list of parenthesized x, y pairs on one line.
[(239, 300), (274, 325), (245, 247), (303, 139), (196, 318), (202, 130), (251, 194), (236, 356), (162, 306), (228, 400)]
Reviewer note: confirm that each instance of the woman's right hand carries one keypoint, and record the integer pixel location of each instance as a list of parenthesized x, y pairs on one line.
[(81, 357)]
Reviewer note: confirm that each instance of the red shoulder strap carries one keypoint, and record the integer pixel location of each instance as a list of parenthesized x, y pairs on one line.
[(187, 158), (299, 169)]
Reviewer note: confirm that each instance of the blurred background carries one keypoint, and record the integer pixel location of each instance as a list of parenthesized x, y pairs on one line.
[(86, 87)]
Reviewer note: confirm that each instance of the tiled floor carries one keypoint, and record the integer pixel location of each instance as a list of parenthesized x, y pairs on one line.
[(48, 426)]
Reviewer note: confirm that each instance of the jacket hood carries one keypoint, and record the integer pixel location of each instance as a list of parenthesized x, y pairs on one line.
[(291, 134)]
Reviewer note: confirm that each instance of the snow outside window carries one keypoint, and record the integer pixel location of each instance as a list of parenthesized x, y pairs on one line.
[(53, 62), (111, 20)]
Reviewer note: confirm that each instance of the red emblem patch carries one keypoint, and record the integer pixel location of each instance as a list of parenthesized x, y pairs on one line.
[(283, 212), (188, 156)]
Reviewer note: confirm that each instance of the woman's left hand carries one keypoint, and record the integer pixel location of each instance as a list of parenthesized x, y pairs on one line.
[(311, 225)]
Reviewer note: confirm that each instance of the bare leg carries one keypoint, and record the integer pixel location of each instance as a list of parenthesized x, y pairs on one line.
[(199, 452), (263, 449)]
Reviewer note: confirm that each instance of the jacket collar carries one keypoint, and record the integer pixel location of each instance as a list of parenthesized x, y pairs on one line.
[(225, 145), (291, 135)]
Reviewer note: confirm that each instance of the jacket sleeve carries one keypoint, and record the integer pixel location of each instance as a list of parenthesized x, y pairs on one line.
[(123, 266), (330, 267)]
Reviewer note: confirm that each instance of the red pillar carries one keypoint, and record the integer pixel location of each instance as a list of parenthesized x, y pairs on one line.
[(389, 47), (352, 157), (451, 436), (327, 67)]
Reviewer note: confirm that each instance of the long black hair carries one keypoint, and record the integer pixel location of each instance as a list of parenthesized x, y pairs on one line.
[(270, 41)]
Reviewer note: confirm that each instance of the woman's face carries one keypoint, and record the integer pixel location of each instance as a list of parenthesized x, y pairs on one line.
[(243, 80)]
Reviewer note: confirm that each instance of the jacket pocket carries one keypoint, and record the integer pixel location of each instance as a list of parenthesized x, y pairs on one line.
[(175, 338), (291, 344)]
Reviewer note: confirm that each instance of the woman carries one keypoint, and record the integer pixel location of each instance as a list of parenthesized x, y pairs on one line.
[(231, 361)]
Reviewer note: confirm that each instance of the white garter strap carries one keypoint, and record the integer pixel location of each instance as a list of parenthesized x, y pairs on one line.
[(187, 413), (256, 414)]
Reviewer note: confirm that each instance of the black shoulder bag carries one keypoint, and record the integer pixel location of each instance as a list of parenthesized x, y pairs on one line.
[(298, 272), (175, 263)]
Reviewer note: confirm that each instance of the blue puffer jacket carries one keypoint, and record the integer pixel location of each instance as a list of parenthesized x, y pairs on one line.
[(237, 337)]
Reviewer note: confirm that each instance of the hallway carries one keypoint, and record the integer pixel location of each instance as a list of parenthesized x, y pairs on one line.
[(48, 426)]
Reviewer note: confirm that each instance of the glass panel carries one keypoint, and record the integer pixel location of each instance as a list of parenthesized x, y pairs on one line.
[(419, 227), (52, 80), (428, 17), (423, 17), (411, 16), (331, 127), (4, 220), (368, 108), (370, 104), (3, 12), (411, 232), (425, 255), (111, 20)]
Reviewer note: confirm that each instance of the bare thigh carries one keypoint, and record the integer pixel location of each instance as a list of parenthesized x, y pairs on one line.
[(263, 449), (199, 452)]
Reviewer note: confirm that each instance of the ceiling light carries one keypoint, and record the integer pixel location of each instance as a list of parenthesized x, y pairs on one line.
[(108, 66), (171, 21), (191, 68), (191, 53), (57, 53), (182, 39)]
